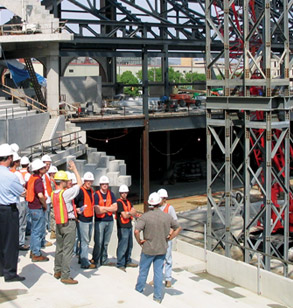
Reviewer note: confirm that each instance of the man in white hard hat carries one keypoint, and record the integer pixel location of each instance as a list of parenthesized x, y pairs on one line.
[(46, 159), (105, 207), (52, 171), (10, 190), (65, 217), (84, 202), (37, 208), (156, 226), (169, 209), (124, 216), (21, 204)]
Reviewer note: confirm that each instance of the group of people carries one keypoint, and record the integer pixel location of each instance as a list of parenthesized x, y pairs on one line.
[(63, 203)]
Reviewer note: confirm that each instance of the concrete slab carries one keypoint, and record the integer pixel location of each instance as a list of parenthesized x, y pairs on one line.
[(110, 287)]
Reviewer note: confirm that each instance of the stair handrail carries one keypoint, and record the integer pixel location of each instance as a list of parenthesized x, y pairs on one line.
[(21, 99), (61, 142)]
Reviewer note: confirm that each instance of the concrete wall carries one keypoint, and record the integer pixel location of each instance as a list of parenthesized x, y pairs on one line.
[(271, 285), (24, 131), (81, 90)]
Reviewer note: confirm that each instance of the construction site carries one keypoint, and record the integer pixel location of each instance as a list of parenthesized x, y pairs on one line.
[(222, 147)]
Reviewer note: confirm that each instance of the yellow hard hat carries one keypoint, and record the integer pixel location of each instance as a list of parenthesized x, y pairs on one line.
[(61, 176)]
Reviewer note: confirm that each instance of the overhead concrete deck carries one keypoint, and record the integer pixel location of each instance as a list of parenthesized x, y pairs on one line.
[(110, 287)]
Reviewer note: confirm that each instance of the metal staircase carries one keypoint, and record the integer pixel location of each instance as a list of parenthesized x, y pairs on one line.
[(34, 80)]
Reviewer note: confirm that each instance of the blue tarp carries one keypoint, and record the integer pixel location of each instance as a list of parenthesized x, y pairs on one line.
[(19, 75)]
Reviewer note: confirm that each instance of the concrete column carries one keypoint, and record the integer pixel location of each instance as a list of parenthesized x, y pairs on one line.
[(53, 83)]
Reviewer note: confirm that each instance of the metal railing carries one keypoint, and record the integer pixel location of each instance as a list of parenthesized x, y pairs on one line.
[(27, 100), (54, 144)]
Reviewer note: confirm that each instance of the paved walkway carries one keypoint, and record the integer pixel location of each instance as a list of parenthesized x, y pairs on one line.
[(110, 287)]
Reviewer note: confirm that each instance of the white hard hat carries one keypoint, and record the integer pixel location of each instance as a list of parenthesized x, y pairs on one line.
[(16, 157), (37, 164), (88, 176), (163, 193), (123, 188), (104, 180), (73, 178), (52, 169), (24, 160), (46, 158), (69, 175), (14, 147), (154, 199), (5, 150)]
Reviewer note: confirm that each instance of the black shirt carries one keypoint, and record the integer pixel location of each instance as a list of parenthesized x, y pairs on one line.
[(79, 202), (120, 209)]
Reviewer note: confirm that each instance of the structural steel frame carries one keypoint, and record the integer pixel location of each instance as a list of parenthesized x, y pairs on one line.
[(259, 124)]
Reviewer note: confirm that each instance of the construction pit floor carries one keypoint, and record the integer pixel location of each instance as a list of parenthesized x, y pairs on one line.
[(111, 287)]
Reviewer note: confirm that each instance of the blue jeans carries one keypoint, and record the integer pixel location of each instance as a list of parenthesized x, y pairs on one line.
[(144, 266), (103, 232), (125, 244), (37, 230), (168, 263), (85, 231), (47, 217)]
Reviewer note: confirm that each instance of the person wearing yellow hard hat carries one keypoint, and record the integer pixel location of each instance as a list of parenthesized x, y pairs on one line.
[(65, 218)]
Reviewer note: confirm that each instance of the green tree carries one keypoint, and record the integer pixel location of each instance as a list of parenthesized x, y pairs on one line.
[(128, 78), (192, 77), (154, 74)]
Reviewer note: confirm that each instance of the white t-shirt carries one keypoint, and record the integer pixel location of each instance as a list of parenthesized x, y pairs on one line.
[(171, 211), (68, 195), (48, 200), (22, 182)]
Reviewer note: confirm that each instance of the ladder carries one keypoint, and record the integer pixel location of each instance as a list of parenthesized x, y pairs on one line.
[(34, 80)]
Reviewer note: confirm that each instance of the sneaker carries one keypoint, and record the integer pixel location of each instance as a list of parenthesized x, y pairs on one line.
[(48, 244), (69, 281), (15, 278), (122, 268), (131, 264), (57, 275), (168, 284), (53, 235), (39, 258), (158, 300), (24, 247)]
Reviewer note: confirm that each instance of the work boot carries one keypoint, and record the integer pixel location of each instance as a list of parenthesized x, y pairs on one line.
[(90, 266), (53, 235), (151, 283), (24, 247), (131, 264), (57, 275), (39, 258), (168, 284), (69, 281), (48, 244)]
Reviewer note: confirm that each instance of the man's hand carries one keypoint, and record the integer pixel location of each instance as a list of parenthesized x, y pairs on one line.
[(141, 242), (71, 165), (132, 211), (24, 193), (45, 208)]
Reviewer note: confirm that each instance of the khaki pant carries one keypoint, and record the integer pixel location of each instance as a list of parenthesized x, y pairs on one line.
[(65, 239)]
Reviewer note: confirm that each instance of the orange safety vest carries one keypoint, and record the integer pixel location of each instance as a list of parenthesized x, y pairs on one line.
[(166, 209), (89, 210), (102, 203), (30, 195), (23, 172), (12, 170), (48, 184), (59, 206), (126, 208)]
